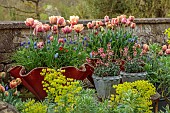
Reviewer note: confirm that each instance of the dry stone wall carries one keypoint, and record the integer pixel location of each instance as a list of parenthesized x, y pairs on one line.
[(149, 30)]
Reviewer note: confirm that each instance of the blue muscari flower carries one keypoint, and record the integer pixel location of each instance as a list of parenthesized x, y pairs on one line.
[(83, 42), (49, 35), (87, 44), (91, 55), (71, 42), (75, 48), (85, 38), (29, 42), (124, 35), (56, 55), (35, 47), (6, 88), (48, 41), (22, 43), (27, 46), (48, 48), (110, 40), (35, 43), (65, 39), (74, 42)]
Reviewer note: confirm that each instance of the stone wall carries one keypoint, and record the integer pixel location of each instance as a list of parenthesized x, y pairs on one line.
[(13, 32)]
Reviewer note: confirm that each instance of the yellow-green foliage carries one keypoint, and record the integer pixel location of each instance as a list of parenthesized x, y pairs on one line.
[(31, 106), (60, 89), (167, 31), (142, 88)]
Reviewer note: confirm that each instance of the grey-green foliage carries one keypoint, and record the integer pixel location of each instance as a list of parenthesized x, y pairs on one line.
[(167, 109), (87, 103)]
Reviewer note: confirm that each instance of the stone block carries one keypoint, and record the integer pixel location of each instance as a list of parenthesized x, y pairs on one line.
[(1, 67), (8, 66), (5, 57)]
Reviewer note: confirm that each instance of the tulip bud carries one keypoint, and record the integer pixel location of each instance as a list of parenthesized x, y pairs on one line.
[(167, 51), (131, 18), (13, 84), (145, 47), (160, 53), (106, 18), (164, 47), (2, 75), (18, 80), (2, 89), (6, 93), (133, 25)]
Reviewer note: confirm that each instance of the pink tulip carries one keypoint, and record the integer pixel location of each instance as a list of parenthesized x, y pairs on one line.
[(103, 55), (100, 50), (128, 22), (66, 30), (13, 84), (132, 25), (74, 20), (145, 47), (167, 51), (60, 40), (122, 16), (29, 22), (131, 18), (160, 52), (46, 27), (106, 18), (53, 19), (123, 20), (2, 89), (169, 46), (99, 23), (54, 29), (51, 38), (78, 28), (40, 45), (90, 25), (36, 22), (61, 21), (164, 47), (115, 21), (38, 28)]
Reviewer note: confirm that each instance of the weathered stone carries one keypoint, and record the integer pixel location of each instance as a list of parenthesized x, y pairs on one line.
[(5, 58), (6, 43), (7, 67), (1, 67), (7, 108)]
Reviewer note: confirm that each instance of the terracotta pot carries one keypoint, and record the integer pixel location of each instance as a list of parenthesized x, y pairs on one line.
[(33, 80), (85, 71)]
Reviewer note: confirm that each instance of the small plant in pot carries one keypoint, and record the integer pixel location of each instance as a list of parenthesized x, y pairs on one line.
[(106, 74), (134, 70)]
